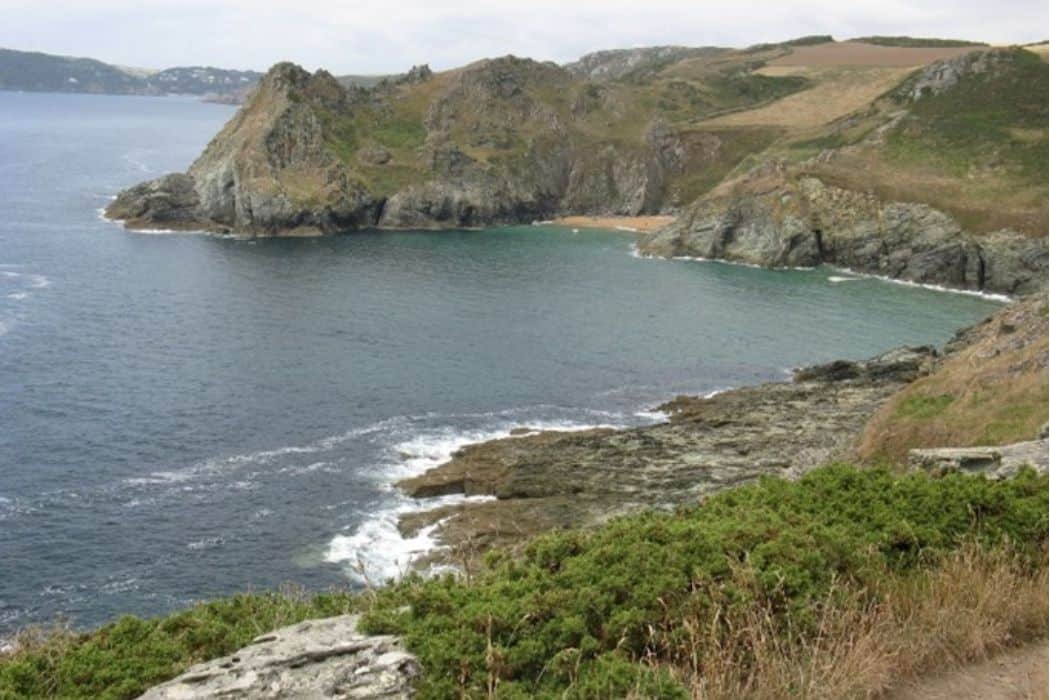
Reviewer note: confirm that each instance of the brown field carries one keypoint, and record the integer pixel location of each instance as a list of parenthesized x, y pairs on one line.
[(1041, 50), (854, 53), (838, 92)]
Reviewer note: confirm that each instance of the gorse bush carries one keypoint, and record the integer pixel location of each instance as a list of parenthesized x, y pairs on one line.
[(547, 623), (616, 612)]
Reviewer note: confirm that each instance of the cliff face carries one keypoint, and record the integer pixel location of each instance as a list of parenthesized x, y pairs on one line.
[(268, 171), (499, 141), (774, 219)]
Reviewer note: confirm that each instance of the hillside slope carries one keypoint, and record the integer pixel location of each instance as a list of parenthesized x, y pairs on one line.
[(941, 180)]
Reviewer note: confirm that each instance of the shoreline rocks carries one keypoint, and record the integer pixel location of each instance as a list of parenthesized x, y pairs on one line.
[(555, 480)]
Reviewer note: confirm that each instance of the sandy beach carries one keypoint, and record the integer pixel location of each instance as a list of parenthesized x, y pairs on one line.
[(627, 223)]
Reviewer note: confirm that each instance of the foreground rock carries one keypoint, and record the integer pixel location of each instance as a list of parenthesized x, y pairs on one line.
[(325, 658), (556, 480)]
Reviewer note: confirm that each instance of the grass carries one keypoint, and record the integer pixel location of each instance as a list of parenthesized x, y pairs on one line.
[(996, 120), (923, 407), (771, 590), (915, 42), (991, 393)]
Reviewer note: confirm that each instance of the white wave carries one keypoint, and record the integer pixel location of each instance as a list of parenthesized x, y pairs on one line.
[(139, 165), (376, 551), (18, 296), (834, 279), (430, 449), (544, 222), (4, 328), (631, 229), (655, 416), (1005, 298), (9, 274), (39, 281)]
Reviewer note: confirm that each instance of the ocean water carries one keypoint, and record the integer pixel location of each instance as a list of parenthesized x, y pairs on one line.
[(183, 416)]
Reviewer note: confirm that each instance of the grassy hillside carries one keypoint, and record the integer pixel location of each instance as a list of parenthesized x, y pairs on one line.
[(993, 392), (875, 576), (976, 150)]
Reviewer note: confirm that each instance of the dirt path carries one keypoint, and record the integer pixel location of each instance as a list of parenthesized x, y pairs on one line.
[(1019, 674)]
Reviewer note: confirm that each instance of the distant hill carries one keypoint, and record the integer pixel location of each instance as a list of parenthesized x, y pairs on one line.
[(916, 41), (40, 72)]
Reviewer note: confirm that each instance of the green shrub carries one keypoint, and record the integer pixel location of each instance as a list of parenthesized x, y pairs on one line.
[(623, 589), (597, 614)]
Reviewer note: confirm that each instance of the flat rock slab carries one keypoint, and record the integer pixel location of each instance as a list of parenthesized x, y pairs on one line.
[(995, 462), (325, 658)]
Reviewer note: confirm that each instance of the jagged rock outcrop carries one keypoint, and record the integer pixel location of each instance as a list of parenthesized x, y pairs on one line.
[(944, 74), (325, 658), (269, 171), (495, 148), (776, 219), (617, 63)]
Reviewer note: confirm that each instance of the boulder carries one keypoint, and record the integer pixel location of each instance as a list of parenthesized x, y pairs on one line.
[(326, 658)]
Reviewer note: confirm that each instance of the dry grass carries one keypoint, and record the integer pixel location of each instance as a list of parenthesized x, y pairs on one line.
[(856, 53), (981, 202), (992, 393), (974, 604), (838, 92)]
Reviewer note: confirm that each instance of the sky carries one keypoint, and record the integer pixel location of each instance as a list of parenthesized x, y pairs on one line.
[(385, 36)]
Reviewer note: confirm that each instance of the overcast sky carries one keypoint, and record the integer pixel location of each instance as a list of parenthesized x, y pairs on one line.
[(380, 36)]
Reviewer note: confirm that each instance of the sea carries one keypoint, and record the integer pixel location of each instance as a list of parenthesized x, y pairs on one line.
[(184, 416)]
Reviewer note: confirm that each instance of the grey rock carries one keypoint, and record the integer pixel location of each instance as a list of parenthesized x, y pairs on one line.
[(995, 462), (774, 220), (942, 75), (617, 63), (326, 658), (553, 480)]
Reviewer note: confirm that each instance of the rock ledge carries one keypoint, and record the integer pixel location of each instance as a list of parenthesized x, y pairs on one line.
[(325, 658)]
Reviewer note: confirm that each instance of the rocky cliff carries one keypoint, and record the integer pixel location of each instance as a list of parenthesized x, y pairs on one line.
[(775, 218), (499, 141), (891, 187)]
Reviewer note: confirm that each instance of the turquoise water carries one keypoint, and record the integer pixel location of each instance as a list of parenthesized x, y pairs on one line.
[(184, 416)]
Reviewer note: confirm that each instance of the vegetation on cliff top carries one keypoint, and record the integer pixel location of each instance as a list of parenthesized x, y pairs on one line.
[(915, 41), (976, 150), (716, 598)]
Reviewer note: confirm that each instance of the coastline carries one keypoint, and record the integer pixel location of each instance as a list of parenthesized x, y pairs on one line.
[(546, 481)]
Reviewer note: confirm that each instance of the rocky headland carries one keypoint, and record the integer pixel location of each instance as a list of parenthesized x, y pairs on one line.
[(638, 132)]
